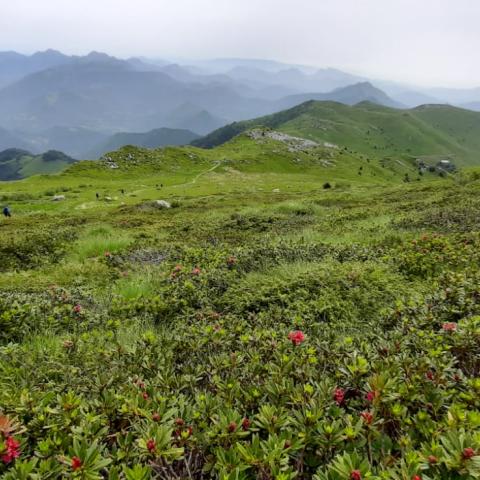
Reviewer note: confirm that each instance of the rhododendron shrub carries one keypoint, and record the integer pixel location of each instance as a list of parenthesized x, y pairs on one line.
[(242, 353)]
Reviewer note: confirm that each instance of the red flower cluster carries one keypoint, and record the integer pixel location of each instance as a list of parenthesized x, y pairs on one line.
[(151, 445), (176, 271), (76, 463), (449, 327), (468, 453), (246, 423), (432, 459), (156, 417), (339, 395), (12, 447), (297, 337), (196, 271), (232, 426), (371, 395), (367, 417), (77, 308), (356, 475), (108, 254), (416, 477)]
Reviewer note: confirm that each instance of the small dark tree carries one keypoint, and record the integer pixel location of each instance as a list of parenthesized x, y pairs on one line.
[(326, 185)]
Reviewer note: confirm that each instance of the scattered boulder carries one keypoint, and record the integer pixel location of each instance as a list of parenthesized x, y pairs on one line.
[(295, 144), (162, 204), (58, 198)]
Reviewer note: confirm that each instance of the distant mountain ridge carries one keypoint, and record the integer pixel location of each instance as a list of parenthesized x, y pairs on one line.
[(430, 130), (16, 164), (350, 95), (71, 103)]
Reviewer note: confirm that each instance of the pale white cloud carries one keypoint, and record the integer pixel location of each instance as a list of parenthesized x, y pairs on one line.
[(418, 41)]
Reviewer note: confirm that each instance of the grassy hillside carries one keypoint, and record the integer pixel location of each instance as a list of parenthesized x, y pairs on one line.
[(431, 130), (262, 327), (258, 159), (16, 163), (152, 139)]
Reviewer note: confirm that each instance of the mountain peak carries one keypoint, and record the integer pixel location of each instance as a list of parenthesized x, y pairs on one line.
[(98, 56)]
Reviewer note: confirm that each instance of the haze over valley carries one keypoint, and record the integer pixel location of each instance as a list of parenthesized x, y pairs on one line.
[(81, 104)]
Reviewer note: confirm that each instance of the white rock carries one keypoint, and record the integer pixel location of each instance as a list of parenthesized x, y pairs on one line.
[(162, 204), (58, 198)]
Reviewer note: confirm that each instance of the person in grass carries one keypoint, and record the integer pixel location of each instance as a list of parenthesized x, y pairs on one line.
[(6, 212)]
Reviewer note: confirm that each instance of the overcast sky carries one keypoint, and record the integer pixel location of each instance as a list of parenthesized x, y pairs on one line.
[(429, 42)]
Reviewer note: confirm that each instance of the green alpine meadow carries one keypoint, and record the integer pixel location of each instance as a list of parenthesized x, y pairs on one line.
[(299, 300), (239, 240)]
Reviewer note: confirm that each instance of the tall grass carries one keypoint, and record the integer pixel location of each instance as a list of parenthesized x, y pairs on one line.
[(96, 241), (137, 284)]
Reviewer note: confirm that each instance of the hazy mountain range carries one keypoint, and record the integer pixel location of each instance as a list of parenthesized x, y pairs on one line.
[(77, 103)]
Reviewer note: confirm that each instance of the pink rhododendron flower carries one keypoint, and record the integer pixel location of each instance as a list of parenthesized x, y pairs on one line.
[(151, 445), (339, 395), (12, 450), (246, 423), (371, 395), (468, 453), (76, 463), (449, 327), (297, 337), (367, 417), (356, 475)]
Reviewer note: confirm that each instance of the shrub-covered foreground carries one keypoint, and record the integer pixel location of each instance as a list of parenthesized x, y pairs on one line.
[(326, 336)]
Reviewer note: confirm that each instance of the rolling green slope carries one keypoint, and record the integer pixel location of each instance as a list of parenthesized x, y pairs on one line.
[(430, 130), (16, 163), (254, 162), (152, 139)]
